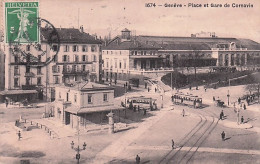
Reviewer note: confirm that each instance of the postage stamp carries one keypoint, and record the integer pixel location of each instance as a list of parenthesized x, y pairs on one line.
[(21, 23)]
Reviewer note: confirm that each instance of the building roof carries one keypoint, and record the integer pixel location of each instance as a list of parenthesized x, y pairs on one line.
[(202, 43), (88, 86), (143, 42), (17, 92), (76, 110), (71, 35), (133, 44)]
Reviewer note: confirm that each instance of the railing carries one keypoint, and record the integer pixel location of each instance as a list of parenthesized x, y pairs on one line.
[(75, 72), (152, 69), (28, 87), (29, 74), (219, 49)]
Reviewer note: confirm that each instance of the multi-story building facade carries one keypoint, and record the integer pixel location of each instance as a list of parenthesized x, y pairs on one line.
[(75, 58), (149, 55)]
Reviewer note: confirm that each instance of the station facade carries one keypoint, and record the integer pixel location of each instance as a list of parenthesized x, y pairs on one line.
[(127, 55)]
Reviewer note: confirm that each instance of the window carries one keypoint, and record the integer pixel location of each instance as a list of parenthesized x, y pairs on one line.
[(124, 64), (120, 64), (84, 48), (39, 70), (93, 68), (16, 82), (55, 69), (28, 48), (66, 48), (28, 69), (107, 64), (75, 98), (75, 48), (83, 67), (115, 63), (107, 52), (105, 97), (94, 58), (59, 95), (55, 47), (93, 48), (83, 57), (89, 98), (55, 58), (135, 52), (27, 81), (16, 59), (39, 80), (135, 63), (39, 58), (56, 79), (65, 58), (16, 70), (76, 58)]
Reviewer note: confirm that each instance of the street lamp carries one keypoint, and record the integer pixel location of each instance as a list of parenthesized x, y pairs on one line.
[(228, 95), (77, 149)]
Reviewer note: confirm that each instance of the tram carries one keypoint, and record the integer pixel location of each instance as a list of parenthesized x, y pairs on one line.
[(187, 99)]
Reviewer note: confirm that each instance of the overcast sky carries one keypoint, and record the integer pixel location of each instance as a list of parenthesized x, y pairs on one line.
[(102, 16)]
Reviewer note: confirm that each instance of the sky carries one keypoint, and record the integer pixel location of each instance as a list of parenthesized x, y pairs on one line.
[(104, 16)]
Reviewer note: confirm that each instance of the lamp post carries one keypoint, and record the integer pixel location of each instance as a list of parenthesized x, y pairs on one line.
[(78, 150), (228, 95)]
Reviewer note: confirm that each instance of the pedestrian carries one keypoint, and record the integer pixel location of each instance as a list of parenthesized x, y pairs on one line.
[(144, 112), (138, 108), (145, 85), (19, 135), (172, 98), (205, 89), (239, 100), (214, 98), (6, 102), (137, 159), (172, 144), (244, 106), (190, 87), (223, 136), (183, 112), (134, 108), (124, 86), (222, 115), (148, 89), (155, 89), (242, 120)]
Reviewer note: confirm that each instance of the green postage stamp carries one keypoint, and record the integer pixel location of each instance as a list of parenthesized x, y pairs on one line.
[(21, 22)]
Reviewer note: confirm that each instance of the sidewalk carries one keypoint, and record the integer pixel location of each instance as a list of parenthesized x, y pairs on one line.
[(121, 143)]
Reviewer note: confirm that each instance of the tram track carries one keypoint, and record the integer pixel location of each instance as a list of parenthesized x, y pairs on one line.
[(200, 133)]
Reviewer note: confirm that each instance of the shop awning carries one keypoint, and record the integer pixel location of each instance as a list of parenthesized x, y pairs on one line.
[(17, 92), (74, 109)]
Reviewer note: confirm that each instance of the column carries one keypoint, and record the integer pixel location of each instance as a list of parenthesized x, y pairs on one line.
[(245, 59), (235, 59), (110, 122), (229, 59), (223, 59)]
